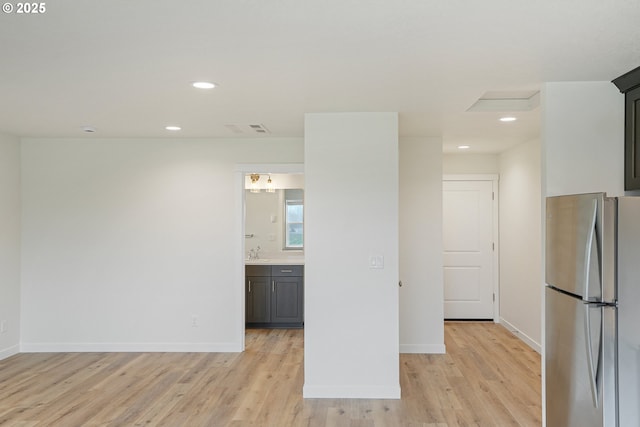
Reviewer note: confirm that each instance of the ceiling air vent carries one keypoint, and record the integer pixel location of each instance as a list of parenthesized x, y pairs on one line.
[(259, 128), (248, 129)]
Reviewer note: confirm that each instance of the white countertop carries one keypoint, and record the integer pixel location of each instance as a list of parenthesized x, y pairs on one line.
[(275, 261)]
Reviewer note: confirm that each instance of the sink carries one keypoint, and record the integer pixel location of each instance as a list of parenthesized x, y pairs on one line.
[(275, 261)]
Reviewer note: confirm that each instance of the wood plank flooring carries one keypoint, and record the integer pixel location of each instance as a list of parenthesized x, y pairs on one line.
[(487, 378)]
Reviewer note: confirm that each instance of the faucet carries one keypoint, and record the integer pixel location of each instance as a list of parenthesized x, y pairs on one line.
[(254, 253)]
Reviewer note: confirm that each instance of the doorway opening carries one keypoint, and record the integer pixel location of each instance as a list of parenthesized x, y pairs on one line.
[(271, 235)]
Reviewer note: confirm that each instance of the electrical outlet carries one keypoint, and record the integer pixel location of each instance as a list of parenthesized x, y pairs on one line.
[(3, 326), (194, 321)]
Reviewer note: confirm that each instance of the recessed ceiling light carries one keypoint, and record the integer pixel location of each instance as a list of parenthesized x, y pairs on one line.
[(464, 147), (204, 85), (508, 119), (88, 129), (173, 128)]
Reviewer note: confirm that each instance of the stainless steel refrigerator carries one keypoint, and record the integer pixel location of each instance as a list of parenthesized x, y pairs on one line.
[(592, 311)]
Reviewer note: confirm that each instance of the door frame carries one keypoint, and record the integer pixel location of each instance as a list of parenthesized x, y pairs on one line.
[(494, 179), (240, 170)]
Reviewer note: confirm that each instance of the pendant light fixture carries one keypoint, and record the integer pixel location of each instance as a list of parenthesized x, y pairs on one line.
[(270, 187), (254, 183)]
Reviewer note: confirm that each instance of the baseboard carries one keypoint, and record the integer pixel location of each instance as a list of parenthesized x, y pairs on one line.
[(9, 351), (524, 337), (423, 348), (350, 392), (131, 347)]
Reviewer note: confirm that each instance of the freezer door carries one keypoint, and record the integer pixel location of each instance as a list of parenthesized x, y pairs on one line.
[(629, 310), (574, 227), (574, 377)]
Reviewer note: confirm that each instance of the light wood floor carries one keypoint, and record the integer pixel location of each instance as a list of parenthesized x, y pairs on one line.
[(487, 378)]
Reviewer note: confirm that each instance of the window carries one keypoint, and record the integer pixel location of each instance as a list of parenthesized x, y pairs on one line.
[(294, 220)]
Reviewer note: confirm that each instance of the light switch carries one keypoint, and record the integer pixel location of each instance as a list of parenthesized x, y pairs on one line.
[(376, 261)]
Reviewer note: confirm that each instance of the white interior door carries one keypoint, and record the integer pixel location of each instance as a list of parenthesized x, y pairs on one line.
[(468, 249)]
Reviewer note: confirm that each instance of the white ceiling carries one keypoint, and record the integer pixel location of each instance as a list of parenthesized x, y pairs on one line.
[(125, 66)]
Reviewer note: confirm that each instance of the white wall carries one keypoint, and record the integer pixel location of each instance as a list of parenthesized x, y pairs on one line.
[(582, 136), (124, 241), (421, 296), (521, 242), (260, 209), (351, 202), (469, 163), (9, 245)]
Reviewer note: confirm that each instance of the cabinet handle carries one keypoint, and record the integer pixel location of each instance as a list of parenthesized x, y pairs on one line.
[(286, 271), (273, 286), (249, 286)]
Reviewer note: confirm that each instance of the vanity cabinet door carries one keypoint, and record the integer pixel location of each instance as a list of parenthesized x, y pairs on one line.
[(257, 299), (287, 299)]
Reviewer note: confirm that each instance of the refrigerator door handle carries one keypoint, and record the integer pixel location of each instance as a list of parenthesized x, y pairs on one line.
[(587, 254), (589, 344)]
